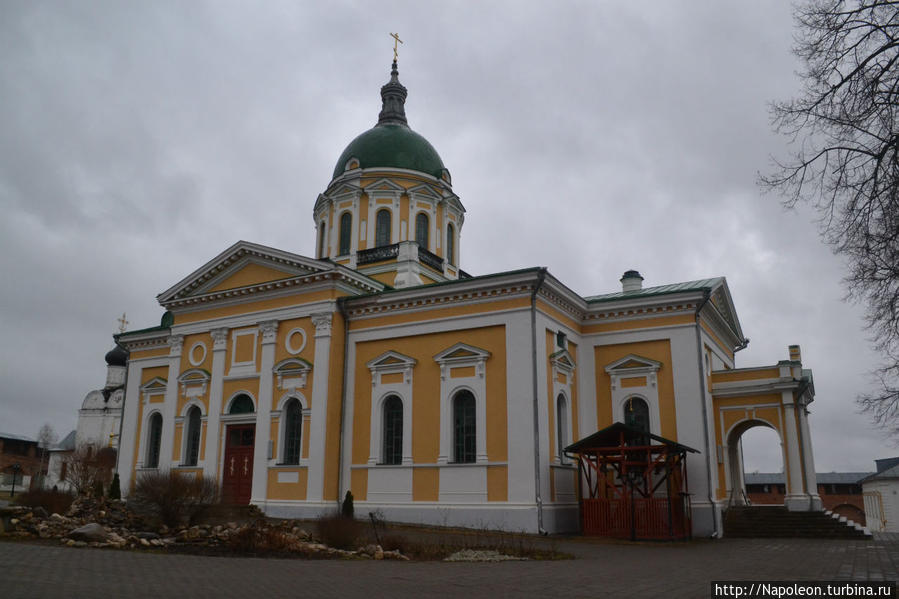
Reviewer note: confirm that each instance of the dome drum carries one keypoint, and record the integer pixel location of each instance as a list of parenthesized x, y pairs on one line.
[(390, 189)]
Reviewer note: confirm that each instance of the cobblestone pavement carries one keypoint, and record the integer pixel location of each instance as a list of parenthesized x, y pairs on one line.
[(601, 569)]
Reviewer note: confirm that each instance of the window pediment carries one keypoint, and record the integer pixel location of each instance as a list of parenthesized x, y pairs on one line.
[(460, 355), (155, 385), (390, 362), (633, 365), (385, 188), (346, 192), (292, 373), (562, 361), (194, 382), (424, 192)]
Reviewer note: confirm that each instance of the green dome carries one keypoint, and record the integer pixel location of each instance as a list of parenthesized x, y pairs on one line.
[(393, 146)]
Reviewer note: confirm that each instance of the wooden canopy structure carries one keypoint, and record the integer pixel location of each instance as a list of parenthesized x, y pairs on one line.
[(633, 484)]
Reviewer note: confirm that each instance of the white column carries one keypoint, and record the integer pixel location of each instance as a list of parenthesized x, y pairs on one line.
[(796, 499), (269, 331), (811, 479), (319, 401), (131, 414), (170, 407), (213, 416)]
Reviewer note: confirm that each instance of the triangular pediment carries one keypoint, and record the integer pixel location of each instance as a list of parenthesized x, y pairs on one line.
[(346, 189), (462, 352), (384, 185), (563, 359), (723, 303), (391, 360), (241, 265), (157, 383), (250, 273), (425, 192), (632, 363)]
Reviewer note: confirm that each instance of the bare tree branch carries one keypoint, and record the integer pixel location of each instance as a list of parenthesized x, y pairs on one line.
[(847, 162)]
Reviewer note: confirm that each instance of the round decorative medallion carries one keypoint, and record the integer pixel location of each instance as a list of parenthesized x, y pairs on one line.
[(197, 353), (295, 341)]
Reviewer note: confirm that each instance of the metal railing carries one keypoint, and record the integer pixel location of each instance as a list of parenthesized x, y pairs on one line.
[(377, 254), (429, 259)]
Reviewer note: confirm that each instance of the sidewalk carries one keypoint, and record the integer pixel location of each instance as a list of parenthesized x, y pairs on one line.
[(602, 569)]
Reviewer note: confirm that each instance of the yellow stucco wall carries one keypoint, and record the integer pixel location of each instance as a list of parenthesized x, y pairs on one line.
[(359, 483), (287, 491), (251, 274), (425, 390), (425, 484), (148, 374), (745, 375), (148, 353), (647, 322), (497, 483)]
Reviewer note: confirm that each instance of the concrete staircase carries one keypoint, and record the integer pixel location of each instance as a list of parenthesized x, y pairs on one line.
[(774, 521)]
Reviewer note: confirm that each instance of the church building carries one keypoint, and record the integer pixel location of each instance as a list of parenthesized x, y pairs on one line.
[(380, 367)]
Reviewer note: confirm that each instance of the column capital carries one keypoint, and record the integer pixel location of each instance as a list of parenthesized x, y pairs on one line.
[(322, 323), (176, 344), (219, 338), (269, 330)]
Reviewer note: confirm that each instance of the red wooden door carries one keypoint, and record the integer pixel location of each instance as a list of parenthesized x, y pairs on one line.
[(237, 482)]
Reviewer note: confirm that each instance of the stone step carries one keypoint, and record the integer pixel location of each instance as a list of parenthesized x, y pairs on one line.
[(777, 521)]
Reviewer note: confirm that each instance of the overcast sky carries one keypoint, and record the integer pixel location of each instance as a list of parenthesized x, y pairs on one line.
[(140, 139)]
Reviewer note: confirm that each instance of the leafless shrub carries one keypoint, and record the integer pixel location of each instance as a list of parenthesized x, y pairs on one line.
[(175, 498), (339, 531), (90, 468)]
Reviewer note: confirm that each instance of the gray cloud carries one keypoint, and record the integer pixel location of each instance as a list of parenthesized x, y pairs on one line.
[(137, 140)]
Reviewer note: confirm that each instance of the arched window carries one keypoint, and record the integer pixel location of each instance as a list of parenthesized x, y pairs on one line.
[(154, 440), (393, 430), (450, 244), (464, 428), (382, 228), (293, 430), (321, 240), (346, 232), (192, 450), (242, 404), (636, 414), (561, 425), (421, 229)]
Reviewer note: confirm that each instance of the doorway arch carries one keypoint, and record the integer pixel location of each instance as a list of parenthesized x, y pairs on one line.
[(733, 458)]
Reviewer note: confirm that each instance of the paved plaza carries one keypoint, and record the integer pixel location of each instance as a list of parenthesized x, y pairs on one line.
[(601, 569)]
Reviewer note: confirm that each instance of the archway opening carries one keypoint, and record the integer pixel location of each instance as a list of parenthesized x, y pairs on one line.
[(755, 465)]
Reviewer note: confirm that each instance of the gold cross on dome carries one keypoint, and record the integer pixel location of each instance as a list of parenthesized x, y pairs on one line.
[(122, 323), (396, 38)]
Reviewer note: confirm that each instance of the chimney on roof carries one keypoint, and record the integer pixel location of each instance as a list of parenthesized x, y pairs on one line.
[(795, 353), (631, 281)]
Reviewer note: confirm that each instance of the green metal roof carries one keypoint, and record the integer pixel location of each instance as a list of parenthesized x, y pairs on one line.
[(392, 146), (611, 436), (700, 285)]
